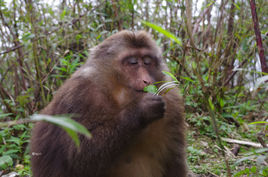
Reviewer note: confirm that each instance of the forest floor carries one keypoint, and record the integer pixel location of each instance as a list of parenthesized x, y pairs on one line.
[(205, 158)]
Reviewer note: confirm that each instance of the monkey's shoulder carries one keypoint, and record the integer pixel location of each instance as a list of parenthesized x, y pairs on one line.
[(77, 95)]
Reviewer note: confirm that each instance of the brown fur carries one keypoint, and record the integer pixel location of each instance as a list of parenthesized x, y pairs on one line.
[(135, 134)]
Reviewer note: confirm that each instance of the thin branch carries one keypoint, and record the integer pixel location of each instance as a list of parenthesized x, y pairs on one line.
[(188, 21), (12, 49), (4, 95), (259, 137), (258, 36), (16, 41), (218, 138), (242, 142), (233, 74)]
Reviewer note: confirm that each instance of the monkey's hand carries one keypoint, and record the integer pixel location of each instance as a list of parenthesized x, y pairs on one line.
[(153, 108)]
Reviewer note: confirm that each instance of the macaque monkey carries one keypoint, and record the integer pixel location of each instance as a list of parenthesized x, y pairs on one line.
[(134, 133)]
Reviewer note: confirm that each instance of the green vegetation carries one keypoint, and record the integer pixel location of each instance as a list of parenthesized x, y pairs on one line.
[(212, 48)]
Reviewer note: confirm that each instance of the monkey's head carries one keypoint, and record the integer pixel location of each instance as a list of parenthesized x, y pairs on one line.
[(131, 59)]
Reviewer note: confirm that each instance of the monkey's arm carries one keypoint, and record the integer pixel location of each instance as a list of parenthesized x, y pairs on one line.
[(112, 133), (109, 139), (176, 167), (176, 164)]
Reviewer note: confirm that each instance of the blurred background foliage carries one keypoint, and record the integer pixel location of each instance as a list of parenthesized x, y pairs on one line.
[(217, 65)]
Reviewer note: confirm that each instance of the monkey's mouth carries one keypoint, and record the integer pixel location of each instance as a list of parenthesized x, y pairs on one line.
[(140, 91)]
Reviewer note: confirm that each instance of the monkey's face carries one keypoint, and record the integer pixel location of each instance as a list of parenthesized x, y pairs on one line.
[(140, 68), (128, 60)]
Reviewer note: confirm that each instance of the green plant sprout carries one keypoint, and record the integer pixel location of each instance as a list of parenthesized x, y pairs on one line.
[(168, 85)]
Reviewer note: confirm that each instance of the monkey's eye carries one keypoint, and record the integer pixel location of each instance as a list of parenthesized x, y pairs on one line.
[(147, 60), (132, 61)]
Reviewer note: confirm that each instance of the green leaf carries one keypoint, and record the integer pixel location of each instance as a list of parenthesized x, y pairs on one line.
[(245, 158), (27, 36), (211, 3), (15, 140), (222, 103), (3, 115), (12, 151), (194, 66), (187, 78), (171, 75), (253, 169), (211, 105), (258, 122), (165, 32), (237, 6), (62, 15), (5, 161), (73, 135), (78, 37), (69, 125), (150, 89)]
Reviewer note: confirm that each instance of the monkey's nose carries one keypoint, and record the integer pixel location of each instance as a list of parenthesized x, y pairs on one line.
[(147, 82)]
